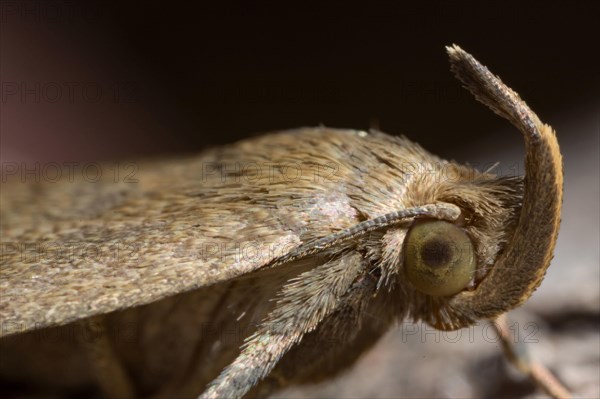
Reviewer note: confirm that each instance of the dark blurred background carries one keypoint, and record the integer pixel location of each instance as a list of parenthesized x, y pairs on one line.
[(104, 81)]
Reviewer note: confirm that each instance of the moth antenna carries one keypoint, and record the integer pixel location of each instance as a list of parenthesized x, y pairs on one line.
[(443, 211), (521, 267), (491, 91)]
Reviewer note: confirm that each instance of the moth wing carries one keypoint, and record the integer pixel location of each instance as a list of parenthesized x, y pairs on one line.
[(79, 248), (108, 237)]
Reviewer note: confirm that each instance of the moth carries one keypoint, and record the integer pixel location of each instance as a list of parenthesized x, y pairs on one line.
[(273, 261)]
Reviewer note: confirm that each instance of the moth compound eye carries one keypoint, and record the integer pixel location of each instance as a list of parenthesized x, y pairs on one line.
[(439, 257)]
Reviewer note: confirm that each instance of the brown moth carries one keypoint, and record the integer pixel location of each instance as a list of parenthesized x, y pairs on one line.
[(253, 266)]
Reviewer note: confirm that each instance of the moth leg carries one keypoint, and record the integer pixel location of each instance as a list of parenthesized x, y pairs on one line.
[(356, 325), (300, 307), (108, 370), (518, 355)]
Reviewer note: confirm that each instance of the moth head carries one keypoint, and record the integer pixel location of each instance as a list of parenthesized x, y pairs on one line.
[(440, 260), (494, 257), (439, 257)]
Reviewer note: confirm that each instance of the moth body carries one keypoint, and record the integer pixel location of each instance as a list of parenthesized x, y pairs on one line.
[(275, 260)]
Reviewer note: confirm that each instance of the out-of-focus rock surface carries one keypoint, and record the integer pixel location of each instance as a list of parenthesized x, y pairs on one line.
[(560, 323)]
